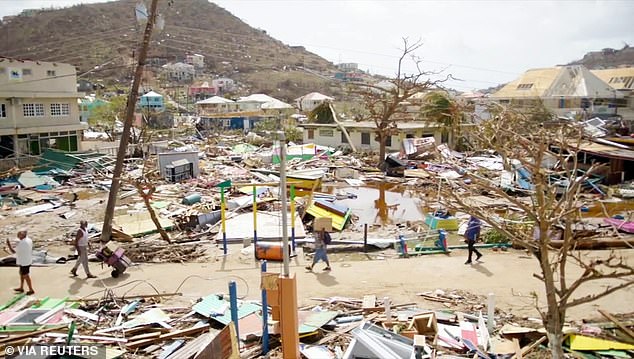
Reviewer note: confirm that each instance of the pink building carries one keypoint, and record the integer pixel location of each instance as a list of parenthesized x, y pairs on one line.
[(202, 91)]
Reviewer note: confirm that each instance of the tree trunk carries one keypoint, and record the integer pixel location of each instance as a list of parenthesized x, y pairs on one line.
[(381, 150), (554, 343), (146, 200), (553, 320)]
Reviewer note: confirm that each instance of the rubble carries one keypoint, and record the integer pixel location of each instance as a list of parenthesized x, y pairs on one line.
[(396, 214), (148, 326)]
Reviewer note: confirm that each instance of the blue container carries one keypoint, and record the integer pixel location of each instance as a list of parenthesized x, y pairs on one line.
[(191, 199)]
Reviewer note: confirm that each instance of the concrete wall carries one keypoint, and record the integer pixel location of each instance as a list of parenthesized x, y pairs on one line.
[(16, 119), (41, 84), (44, 76)]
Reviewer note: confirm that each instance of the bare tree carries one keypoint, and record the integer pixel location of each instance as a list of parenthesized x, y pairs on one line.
[(145, 187), (547, 209), (385, 102)]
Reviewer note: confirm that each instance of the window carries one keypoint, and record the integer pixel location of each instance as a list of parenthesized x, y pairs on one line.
[(310, 134), (344, 139), (50, 73), (327, 133), (26, 71), (388, 141), (3, 110), (524, 86), (60, 109), (365, 138), (33, 109)]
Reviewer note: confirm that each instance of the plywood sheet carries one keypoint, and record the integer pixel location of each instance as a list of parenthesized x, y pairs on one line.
[(269, 227), (138, 224)]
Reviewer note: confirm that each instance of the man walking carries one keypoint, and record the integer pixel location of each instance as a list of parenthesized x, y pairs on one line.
[(24, 258), (321, 242), (81, 245), (471, 235)]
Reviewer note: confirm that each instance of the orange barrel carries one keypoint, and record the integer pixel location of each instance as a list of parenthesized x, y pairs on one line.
[(270, 251)]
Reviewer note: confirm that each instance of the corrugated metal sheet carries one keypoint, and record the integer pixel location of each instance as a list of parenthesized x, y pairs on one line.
[(218, 309), (57, 159), (607, 151)]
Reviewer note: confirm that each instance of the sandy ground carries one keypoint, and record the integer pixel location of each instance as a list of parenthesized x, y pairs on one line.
[(509, 275)]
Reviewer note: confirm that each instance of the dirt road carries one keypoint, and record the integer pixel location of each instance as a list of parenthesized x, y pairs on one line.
[(509, 275)]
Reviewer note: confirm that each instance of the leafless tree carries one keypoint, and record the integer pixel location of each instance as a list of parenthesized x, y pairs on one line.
[(385, 103), (545, 214), (145, 187)]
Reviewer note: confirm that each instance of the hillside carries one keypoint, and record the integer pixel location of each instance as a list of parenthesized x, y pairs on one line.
[(88, 35), (607, 58)]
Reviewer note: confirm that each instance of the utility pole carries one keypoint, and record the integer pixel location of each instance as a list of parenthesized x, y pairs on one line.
[(106, 231), (284, 201), (289, 320)]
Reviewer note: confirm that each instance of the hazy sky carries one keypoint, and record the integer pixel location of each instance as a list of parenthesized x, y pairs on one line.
[(484, 43)]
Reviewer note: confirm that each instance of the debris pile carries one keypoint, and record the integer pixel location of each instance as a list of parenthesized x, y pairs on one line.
[(158, 325)]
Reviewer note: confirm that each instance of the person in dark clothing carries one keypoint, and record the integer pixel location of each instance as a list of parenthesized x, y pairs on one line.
[(471, 236)]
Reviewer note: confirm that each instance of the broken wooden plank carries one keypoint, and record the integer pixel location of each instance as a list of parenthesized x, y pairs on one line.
[(88, 337), (174, 334), (369, 301), (518, 350), (531, 347), (144, 336), (621, 326), (81, 314)]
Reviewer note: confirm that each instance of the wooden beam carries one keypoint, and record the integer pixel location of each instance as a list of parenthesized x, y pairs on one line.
[(144, 336), (529, 348), (518, 350), (621, 326), (174, 334)]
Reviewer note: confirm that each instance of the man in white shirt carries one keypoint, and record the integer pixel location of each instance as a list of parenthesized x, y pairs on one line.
[(24, 258), (81, 245)]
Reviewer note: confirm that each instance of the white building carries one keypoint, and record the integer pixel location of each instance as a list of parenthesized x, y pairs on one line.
[(308, 102), (362, 134), (215, 105), (196, 60), (180, 72), (223, 84), (38, 108), (260, 101)]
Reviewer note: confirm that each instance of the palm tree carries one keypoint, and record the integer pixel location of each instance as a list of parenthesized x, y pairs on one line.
[(439, 107)]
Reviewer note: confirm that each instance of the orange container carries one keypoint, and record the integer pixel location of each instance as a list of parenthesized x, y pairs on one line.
[(270, 251)]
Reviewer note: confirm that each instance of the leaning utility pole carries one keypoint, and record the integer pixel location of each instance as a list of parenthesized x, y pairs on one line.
[(106, 231)]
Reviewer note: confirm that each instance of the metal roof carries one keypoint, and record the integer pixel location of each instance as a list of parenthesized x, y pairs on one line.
[(607, 151)]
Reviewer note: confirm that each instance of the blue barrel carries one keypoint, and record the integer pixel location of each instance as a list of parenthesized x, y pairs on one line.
[(191, 199)]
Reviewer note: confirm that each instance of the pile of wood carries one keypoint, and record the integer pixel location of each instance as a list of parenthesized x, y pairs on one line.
[(157, 252)]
